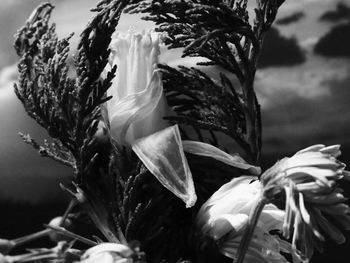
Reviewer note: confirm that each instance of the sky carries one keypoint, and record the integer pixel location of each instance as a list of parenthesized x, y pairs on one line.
[(303, 85)]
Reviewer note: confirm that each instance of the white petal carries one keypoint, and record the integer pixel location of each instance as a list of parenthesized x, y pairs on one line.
[(313, 148), (312, 159), (163, 155), (208, 150), (134, 108), (333, 150), (231, 186), (120, 249), (304, 213), (225, 223), (303, 174), (271, 218)]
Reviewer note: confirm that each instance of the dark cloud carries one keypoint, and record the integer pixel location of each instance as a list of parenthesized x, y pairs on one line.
[(342, 12), (335, 43), (294, 122), (280, 51), (293, 18), (24, 175)]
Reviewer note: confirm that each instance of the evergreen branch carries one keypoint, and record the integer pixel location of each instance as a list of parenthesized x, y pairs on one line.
[(66, 108), (204, 103), (50, 151), (69, 109), (219, 31)]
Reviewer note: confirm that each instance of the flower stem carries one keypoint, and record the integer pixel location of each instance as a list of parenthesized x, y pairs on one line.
[(72, 235), (248, 233), (30, 237)]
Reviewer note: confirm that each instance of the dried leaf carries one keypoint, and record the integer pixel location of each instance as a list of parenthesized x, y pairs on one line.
[(162, 153), (208, 150)]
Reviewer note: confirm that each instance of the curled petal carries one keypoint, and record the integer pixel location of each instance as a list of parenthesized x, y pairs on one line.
[(271, 218), (304, 213), (227, 188), (312, 159), (138, 105), (135, 107), (333, 150), (312, 148), (163, 155), (108, 253), (208, 150), (120, 249), (225, 223)]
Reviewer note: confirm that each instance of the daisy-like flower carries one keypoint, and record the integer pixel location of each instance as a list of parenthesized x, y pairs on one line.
[(224, 218), (312, 196)]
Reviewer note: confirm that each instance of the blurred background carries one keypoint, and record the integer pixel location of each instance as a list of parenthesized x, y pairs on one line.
[(303, 84)]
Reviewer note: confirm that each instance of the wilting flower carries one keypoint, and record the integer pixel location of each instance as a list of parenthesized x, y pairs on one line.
[(309, 181), (138, 104), (224, 218)]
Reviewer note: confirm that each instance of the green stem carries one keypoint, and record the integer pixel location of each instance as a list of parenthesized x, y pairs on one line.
[(30, 237), (71, 205), (249, 231), (72, 235)]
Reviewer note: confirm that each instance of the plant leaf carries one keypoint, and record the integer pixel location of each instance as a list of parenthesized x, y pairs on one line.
[(162, 153), (208, 150)]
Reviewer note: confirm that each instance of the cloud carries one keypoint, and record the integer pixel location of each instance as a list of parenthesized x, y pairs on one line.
[(308, 80), (293, 18), (335, 43), (8, 76), (294, 121), (342, 12), (280, 51)]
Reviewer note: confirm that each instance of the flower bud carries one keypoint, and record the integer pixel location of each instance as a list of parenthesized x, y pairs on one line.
[(138, 104), (57, 221)]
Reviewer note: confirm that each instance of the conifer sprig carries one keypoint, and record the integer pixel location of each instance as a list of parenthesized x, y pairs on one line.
[(67, 108), (219, 31)]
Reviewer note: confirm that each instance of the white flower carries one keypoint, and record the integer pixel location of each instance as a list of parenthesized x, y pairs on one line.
[(225, 215), (138, 104), (308, 180), (108, 253)]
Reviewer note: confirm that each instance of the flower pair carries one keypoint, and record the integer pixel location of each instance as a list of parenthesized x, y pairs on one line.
[(306, 182), (305, 189), (136, 111)]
